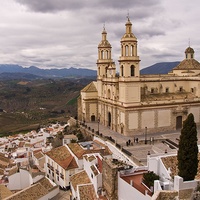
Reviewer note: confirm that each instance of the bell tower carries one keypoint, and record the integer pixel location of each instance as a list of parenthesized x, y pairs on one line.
[(129, 60), (104, 56), (129, 83)]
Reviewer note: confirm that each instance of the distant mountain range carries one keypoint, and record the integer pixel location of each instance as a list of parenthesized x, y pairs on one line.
[(48, 73), (11, 71), (159, 68)]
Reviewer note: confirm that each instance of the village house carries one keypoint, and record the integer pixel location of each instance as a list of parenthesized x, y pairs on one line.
[(60, 165)]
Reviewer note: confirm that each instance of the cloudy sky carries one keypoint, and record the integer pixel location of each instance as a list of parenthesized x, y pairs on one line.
[(66, 33)]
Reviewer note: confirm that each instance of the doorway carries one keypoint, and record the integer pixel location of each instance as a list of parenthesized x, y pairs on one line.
[(109, 119), (178, 122), (93, 118)]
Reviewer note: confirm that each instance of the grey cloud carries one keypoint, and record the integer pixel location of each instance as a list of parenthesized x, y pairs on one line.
[(52, 5), (60, 5), (149, 33), (165, 55)]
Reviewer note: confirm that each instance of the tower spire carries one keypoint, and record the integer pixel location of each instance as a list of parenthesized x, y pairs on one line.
[(104, 26), (128, 18)]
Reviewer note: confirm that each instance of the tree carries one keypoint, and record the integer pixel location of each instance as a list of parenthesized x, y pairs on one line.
[(149, 178), (188, 150)]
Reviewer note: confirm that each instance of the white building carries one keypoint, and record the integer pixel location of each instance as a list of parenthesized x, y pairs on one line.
[(60, 165)]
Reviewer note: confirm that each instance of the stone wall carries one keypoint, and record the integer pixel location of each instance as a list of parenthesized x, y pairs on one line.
[(110, 179)]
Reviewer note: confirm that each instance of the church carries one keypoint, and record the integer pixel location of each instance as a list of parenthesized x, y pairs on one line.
[(130, 103)]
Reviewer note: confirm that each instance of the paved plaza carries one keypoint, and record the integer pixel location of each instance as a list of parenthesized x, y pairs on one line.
[(139, 149)]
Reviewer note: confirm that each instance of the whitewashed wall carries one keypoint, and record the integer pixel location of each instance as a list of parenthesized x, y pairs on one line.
[(126, 191)]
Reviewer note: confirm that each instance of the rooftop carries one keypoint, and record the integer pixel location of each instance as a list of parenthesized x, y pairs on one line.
[(36, 191), (79, 151), (63, 157), (4, 192), (94, 170), (79, 178), (38, 155), (90, 87), (87, 192)]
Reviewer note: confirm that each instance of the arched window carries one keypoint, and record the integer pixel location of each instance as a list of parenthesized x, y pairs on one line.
[(106, 54), (122, 70), (126, 50), (102, 54), (132, 50), (132, 70)]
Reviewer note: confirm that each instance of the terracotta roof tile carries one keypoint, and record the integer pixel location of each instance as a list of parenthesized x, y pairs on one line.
[(94, 169), (32, 193), (87, 192), (21, 144), (36, 191), (79, 151), (4, 192), (38, 155), (188, 64), (79, 178), (63, 157)]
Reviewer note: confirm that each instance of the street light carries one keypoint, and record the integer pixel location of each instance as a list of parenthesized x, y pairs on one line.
[(145, 135)]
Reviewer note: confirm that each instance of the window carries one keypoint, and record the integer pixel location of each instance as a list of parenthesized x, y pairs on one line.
[(58, 178), (102, 54), (126, 50), (192, 90), (180, 89), (152, 90), (132, 50), (106, 56), (132, 70), (108, 94), (122, 70), (167, 90)]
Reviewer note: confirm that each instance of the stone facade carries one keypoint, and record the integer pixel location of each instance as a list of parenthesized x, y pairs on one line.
[(130, 103)]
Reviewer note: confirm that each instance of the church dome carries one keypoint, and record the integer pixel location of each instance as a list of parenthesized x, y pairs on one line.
[(104, 42), (189, 50)]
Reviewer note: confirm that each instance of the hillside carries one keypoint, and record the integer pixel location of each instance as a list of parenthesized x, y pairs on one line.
[(26, 104), (159, 68)]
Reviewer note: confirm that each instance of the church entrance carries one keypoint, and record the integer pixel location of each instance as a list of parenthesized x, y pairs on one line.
[(93, 118), (178, 122), (109, 119)]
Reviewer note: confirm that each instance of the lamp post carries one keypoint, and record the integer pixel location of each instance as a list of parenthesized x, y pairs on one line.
[(145, 135)]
